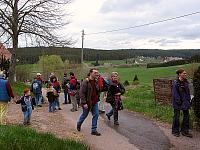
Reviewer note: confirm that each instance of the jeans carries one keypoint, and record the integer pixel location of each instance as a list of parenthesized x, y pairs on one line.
[(38, 98), (95, 115), (27, 114), (57, 103), (176, 121), (52, 106), (114, 112), (67, 97)]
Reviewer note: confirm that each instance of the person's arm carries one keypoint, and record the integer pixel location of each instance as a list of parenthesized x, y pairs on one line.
[(83, 92), (9, 89), (122, 89), (176, 93), (59, 87), (20, 100)]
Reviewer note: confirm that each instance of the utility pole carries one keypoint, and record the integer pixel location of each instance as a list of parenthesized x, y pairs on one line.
[(82, 46)]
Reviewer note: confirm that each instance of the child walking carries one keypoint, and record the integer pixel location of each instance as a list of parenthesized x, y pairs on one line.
[(51, 97), (27, 106)]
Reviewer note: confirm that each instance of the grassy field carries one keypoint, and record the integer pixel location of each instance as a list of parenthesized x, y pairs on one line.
[(141, 99), (146, 75), (19, 138)]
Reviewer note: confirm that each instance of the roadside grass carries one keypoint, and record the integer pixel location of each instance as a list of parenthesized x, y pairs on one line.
[(18, 87), (19, 138), (141, 99)]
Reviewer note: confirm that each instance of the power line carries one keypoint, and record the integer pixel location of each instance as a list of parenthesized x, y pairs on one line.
[(146, 24)]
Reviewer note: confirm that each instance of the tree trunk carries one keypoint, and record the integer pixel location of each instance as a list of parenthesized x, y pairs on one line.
[(14, 40)]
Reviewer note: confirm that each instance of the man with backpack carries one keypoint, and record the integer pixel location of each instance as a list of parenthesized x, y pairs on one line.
[(36, 88)]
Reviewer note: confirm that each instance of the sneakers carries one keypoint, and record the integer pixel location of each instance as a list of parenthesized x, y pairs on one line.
[(116, 123), (73, 110), (176, 134), (59, 109), (96, 133), (187, 134), (78, 127), (108, 116)]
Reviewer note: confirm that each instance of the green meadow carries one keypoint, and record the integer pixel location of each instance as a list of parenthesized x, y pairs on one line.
[(146, 75)]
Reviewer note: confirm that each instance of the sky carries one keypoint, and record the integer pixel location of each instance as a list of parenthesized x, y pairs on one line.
[(103, 15)]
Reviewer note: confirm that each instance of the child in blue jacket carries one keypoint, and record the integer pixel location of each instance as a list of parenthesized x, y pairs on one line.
[(27, 103)]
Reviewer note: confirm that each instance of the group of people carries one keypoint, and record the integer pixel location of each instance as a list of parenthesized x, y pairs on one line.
[(89, 95)]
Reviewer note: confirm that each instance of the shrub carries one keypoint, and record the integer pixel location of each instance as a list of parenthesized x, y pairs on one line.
[(135, 78), (196, 84), (126, 83)]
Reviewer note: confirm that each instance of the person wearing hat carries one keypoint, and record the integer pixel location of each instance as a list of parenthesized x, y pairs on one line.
[(6, 94), (36, 88)]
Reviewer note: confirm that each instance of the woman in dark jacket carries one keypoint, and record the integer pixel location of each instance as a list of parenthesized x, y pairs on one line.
[(57, 87), (181, 101), (115, 90)]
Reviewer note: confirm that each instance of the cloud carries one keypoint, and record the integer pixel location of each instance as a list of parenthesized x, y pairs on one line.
[(124, 5), (105, 15)]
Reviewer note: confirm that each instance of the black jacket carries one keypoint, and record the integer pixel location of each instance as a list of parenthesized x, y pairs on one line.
[(23, 103), (113, 89)]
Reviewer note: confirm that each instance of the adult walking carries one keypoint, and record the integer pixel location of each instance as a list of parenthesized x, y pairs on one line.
[(57, 87), (36, 88), (65, 89), (181, 102), (73, 91), (115, 90), (89, 94), (6, 94)]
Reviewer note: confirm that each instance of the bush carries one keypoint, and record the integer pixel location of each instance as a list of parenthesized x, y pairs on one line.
[(196, 84), (135, 78), (126, 83), (170, 63)]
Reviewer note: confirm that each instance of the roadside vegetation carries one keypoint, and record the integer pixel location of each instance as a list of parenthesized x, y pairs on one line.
[(19, 138)]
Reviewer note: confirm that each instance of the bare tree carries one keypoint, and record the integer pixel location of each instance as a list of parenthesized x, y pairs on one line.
[(37, 19)]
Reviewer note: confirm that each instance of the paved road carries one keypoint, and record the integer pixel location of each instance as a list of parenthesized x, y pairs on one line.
[(134, 132), (141, 132)]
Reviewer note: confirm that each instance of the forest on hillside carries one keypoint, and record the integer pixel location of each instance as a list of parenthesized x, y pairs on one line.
[(31, 54)]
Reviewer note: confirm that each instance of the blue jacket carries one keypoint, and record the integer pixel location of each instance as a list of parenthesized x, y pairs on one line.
[(4, 95), (181, 95), (36, 87)]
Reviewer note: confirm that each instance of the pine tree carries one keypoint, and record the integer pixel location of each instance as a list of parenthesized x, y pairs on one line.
[(135, 78)]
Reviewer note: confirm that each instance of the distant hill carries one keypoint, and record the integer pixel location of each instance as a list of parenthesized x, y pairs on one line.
[(31, 54)]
